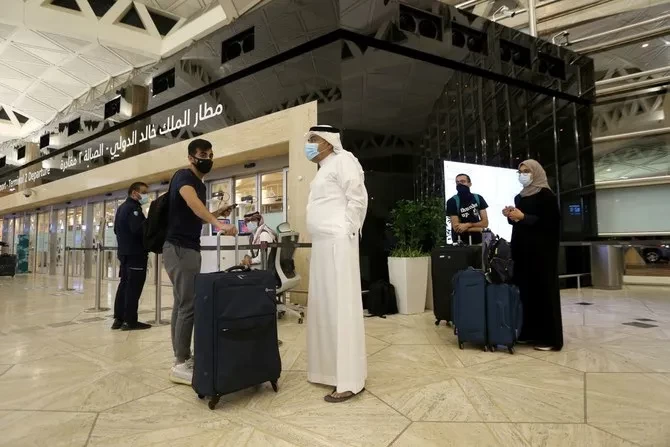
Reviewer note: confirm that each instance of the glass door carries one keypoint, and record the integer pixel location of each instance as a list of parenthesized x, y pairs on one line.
[(74, 237), (7, 235), (18, 231), (32, 242), (111, 266), (246, 198), (42, 250), (272, 199), (60, 240)]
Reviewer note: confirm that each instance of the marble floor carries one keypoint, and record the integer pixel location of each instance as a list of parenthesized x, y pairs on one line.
[(66, 379)]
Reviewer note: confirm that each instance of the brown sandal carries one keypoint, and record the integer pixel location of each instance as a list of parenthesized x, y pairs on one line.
[(334, 400)]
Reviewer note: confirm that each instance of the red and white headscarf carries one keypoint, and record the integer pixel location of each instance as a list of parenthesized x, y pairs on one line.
[(261, 227), (332, 136)]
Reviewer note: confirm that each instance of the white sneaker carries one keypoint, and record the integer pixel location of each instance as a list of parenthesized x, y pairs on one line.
[(182, 373)]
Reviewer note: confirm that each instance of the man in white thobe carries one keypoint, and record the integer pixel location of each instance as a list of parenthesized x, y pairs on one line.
[(336, 210)]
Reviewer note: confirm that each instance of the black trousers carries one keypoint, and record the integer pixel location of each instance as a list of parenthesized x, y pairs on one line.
[(133, 273)]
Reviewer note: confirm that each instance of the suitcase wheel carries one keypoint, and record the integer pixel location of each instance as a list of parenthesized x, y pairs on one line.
[(460, 345), (437, 322), (212, 402), (302, 317), (275, 387), (281, 314), (511, 349), (200, 396)]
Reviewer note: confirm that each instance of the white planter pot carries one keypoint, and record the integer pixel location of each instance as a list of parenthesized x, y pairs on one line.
[(409, 276)]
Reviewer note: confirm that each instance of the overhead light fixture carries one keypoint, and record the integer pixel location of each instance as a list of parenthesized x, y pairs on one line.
[(112, 107), (162, 82), (239, 44), (420, 22)]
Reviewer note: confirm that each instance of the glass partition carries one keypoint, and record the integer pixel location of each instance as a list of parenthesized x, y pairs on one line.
[(246, 195), (60, 240), (74, 238), (272, 199), (42, 249)]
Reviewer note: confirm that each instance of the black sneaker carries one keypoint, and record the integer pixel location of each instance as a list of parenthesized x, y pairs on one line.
[(135, 326), (117, 324)]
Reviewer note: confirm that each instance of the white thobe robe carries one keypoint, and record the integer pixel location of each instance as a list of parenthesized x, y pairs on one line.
[(335, 330)]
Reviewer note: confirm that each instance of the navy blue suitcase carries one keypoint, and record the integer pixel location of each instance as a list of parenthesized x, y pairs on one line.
[(446, 262), (504, 315), (235, 332), (469, 307)]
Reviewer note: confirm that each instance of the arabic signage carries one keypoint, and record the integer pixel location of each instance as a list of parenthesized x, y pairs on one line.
[(172, 124)]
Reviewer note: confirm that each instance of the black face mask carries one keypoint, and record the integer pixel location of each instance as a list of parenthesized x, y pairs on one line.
[(203, 165), (462, 189)]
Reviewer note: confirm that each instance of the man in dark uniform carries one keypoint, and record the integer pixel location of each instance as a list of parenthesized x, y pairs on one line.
[(128, 224)]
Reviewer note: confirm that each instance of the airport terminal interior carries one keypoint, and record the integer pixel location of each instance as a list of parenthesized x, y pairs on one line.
[(98, 94)]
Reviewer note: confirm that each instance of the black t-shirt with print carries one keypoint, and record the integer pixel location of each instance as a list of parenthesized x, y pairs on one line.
[(468, 212), (184, 227)]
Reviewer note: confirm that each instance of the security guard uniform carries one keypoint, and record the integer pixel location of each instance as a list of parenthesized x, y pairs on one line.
[(128, 224)]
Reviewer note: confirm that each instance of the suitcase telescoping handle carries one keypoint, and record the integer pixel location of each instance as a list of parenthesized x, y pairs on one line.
[(237, 243), (469, 239)]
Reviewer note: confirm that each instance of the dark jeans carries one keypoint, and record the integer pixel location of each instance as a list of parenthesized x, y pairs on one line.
[(133, 272)]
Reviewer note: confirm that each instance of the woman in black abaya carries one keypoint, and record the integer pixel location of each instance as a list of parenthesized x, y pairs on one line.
[(535, 240)]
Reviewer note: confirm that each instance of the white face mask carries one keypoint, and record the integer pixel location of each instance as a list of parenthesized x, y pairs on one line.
[(144, 199), (252, 226), (525, 178)]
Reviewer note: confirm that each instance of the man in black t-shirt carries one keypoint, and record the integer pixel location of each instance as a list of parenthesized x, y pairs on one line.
[(181, 252), (467, 212)]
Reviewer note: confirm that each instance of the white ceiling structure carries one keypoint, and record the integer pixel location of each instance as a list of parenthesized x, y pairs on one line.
[(57, 56)]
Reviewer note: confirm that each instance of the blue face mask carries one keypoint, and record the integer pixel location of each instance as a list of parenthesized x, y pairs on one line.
[(144, 199), (311, 150)]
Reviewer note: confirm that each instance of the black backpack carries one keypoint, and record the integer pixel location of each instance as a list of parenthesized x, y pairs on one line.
[(155, 227), (499, 266), (381, 299)]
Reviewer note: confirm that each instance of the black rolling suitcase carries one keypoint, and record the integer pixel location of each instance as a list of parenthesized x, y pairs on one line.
[(235, 332), (7, 265), (445, 263)]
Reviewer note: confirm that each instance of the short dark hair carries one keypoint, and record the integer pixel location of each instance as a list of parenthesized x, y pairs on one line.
[(466, 176), (136, 187), (198, 143)]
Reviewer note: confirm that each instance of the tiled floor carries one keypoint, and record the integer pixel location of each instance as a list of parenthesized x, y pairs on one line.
[(67, 380)]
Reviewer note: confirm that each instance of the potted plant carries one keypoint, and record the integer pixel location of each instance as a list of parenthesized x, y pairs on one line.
[(418, 226)]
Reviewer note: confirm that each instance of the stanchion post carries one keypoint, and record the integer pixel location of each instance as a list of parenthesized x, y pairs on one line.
[(264, 255), (98, 283), (158, 320), (66, 269)]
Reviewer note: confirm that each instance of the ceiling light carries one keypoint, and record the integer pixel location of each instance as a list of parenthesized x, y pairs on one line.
[(645, 45)]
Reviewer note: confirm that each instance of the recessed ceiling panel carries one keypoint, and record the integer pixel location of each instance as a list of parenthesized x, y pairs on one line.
[(85, 71), (17, 84), (110, 68), (51, 56), (28, 70), (13, 54), (69, 43), (34, 39), (6, 30)]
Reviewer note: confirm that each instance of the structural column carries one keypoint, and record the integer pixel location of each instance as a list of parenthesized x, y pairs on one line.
[(88, 225), (300, 175), (532, 18), (32, 152), (138, 97)]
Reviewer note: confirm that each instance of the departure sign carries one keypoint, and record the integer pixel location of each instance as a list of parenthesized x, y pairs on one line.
[(190, 117)]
